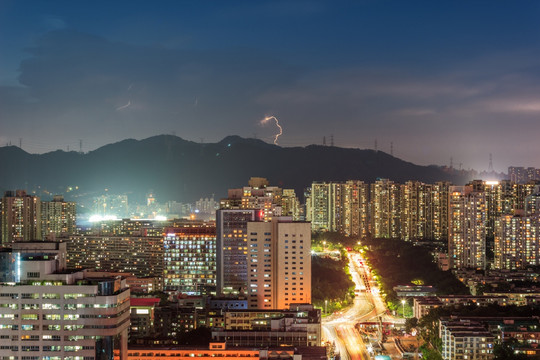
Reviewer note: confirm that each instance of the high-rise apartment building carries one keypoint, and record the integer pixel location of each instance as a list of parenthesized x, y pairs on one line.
[(256, 202), (279, 263), (385, 209), (502, 197), (532, 203), (190, 259), (416, 214), (439, 210), (521, 175), (517, 242), (290, 204), (339, 206), (319, 209), (353, 207), (467, 228), (21, 217), (58, 217), (49, 313), (231, 250)]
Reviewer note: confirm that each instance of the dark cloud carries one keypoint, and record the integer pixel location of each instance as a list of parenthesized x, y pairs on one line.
[(79, 86), (84, 80)]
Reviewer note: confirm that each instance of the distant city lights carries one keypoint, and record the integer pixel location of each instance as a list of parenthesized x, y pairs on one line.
[(98, 218)]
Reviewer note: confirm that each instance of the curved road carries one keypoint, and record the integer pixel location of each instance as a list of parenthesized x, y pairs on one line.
[(367, 305)]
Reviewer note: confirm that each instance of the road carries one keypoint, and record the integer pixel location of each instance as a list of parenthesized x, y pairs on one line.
[(368, 305)]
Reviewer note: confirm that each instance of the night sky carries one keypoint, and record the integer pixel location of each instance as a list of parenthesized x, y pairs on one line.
[(439, 79)]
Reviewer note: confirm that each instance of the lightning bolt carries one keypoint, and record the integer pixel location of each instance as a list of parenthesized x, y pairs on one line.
[(267, 119), (124, 106)]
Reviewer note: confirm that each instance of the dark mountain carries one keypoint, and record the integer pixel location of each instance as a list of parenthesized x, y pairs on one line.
[(182, 170)]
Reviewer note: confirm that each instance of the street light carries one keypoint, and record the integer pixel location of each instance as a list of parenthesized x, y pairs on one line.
[(324, 246), (403, 304), (326, 306)]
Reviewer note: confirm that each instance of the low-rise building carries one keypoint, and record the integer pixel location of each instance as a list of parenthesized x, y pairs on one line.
[(142, 317), (298, 326), (414, 290), (482, 300), (422, 305), (465, 340), (219, 350)]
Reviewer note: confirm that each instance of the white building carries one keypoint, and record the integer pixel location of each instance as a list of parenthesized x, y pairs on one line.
[(279, 263), (47, 313), (465, 340)]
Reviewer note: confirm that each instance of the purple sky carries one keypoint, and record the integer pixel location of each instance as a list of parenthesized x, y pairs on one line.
[(437, 79)]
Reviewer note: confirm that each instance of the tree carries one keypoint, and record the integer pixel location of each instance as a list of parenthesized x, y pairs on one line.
[(410, 324), (505, 351)]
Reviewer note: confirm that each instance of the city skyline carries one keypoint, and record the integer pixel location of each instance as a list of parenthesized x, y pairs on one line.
[(460, 79)]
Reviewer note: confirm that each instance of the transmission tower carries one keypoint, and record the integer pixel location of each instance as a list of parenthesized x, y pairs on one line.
[(490, 167)]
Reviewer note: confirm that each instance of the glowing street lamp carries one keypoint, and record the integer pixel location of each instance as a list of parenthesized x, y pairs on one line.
[(326, 306), (403, 304)]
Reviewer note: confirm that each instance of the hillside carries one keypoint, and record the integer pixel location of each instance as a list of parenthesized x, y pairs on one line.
[(182, 170)]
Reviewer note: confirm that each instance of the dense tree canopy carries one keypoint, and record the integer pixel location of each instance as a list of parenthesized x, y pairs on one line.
[(401, 263), (329, 279)]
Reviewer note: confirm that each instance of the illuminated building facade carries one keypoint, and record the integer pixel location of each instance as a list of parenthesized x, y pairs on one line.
[(320, 206), (259, 196), (299, 325), (279, 263), (517, 242), (48, 311), (385, 209), (353, 207), (339, 206), (467, 228), (465, 340), (58, 217), (521, 175), (142, 317), (21, 217), (532, 203), (439, 210), (216, 350), (290, 204), (128, 227), (416, 217), (231, 250), (141, 256), (190, 259)]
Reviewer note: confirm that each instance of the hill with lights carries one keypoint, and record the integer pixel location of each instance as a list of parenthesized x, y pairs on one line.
[(176, 169)]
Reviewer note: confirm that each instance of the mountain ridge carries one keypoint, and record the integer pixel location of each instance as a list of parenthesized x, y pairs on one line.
[(183, 170)]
